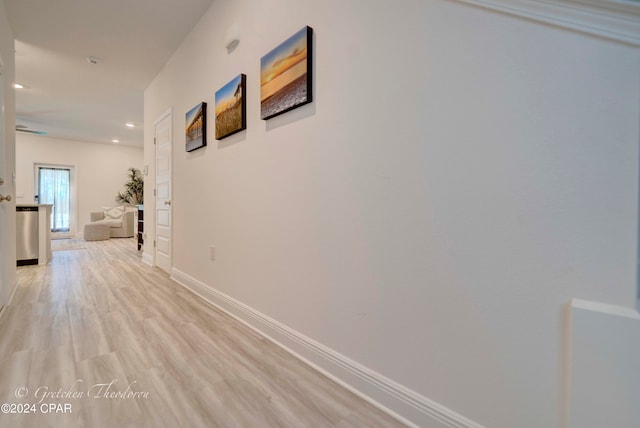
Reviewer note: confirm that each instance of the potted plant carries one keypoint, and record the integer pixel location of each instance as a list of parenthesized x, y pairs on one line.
[(133, 193)]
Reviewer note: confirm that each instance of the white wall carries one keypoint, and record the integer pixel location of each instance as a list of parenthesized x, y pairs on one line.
[(101, 169), (7, 160), (460, 177)]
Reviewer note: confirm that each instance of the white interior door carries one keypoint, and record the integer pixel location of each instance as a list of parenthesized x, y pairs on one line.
[(3, 204), (7, 191), (163, 245)]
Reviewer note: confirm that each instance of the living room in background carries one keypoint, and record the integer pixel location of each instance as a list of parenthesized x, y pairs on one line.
[(55, 185)]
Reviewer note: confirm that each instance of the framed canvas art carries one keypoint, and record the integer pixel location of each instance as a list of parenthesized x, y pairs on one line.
[(231, 107), (286, 75), (196, 127)]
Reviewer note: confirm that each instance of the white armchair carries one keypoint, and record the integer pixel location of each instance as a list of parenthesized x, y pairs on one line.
[(119, 219)]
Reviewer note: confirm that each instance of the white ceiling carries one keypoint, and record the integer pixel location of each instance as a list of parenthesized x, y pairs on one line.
[(67, 97)]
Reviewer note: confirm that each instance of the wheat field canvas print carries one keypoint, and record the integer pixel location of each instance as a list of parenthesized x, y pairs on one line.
[(231, 108)]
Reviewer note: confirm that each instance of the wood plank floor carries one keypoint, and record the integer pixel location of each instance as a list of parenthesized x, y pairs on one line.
[(124, 346)]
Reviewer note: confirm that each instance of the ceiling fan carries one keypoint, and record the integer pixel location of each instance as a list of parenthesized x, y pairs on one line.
[(25, 129)]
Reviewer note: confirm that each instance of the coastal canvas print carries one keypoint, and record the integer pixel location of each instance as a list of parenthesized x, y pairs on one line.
[(231, 108), (285, 75), (196, 127)]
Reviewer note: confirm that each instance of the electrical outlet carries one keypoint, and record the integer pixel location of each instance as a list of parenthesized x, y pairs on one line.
[(212, 253)]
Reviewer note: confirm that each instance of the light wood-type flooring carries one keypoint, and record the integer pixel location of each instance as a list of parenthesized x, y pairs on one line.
[(121, 345)]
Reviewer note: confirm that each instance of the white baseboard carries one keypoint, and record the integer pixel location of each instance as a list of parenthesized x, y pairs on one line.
[(13, 293), (617, 20), (606, 309), (398, 401), (147, 259)]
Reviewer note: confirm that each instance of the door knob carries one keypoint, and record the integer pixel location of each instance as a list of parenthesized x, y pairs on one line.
[(167, 202), (5, 198)]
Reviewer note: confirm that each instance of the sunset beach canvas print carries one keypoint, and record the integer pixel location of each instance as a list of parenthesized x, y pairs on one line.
[(231, 108), (196, 127), (285, 75)]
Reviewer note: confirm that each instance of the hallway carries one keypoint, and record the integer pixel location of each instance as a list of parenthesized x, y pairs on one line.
[(111, 342)]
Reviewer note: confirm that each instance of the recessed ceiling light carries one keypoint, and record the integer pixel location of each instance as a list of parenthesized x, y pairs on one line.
[(115, 140), (18, 86), (130, 125)]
